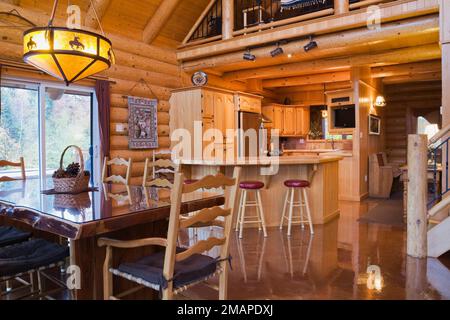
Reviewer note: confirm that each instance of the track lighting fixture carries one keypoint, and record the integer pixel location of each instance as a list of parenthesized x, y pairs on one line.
[(278, 51), (249, 56), (311, 45)]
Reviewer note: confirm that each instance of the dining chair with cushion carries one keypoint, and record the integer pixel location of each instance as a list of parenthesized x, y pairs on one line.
[(176, 269)]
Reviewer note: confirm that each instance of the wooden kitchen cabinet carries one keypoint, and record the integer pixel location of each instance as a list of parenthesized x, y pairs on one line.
[(248, 102), (290, 121), (214, 108), (303, 120)]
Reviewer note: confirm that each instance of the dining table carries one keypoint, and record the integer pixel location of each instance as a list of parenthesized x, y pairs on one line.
[(79, 220)]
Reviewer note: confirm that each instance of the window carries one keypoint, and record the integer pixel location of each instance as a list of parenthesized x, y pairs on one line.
[(425, 127), (39, 120)]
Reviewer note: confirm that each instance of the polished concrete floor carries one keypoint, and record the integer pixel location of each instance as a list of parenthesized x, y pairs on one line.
[(345, 259)]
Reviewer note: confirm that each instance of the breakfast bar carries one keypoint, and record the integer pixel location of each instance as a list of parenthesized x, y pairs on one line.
[(321, 171)]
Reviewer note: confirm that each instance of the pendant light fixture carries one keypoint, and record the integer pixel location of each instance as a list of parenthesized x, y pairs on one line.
[(67, 54)]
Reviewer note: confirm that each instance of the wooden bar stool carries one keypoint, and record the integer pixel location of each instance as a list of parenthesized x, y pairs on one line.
[(249, 186), (303, 203)]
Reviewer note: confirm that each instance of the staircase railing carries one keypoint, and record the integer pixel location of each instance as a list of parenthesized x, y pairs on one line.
[(438, 154)]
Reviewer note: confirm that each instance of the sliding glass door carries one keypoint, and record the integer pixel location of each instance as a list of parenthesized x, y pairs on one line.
[(39, 120), (68, 121), (19, 127)]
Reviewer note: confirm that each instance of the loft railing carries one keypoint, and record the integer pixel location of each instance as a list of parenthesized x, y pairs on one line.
[(256, 15), (209, 26)]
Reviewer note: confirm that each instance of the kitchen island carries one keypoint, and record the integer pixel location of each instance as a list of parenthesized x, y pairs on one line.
[(321, 171)]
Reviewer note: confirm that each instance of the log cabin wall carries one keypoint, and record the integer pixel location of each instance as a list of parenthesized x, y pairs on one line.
[(406, 102)]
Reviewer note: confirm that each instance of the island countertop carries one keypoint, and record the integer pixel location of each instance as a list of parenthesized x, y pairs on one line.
[(322, 171), (282, 160)]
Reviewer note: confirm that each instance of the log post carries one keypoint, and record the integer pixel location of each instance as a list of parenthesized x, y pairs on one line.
[(227, 19), (417, 196), (341, 6)]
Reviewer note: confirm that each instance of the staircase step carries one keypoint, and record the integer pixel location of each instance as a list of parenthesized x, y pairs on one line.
[(439, 239)]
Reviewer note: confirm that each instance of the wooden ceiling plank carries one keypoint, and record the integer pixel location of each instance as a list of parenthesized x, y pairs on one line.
[(99, 6), (159, 19), (307, 80)]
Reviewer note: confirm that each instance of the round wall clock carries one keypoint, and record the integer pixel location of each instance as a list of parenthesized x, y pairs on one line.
[(199, 78)]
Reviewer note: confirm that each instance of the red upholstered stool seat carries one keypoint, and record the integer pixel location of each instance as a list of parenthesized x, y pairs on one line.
[(251, 185), (190, 181), (297, 184)]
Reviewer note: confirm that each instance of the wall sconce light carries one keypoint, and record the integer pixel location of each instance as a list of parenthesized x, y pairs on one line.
[(324, 114), (374, 278), (380, 101)]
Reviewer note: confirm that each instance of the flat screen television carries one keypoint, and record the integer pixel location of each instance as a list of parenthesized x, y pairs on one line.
[(344, 117)]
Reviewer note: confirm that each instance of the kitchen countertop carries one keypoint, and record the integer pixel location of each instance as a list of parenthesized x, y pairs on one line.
[(284, 160), (336, 152)]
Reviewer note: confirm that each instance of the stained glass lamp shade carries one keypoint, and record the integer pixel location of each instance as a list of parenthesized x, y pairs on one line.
[(67, 54)]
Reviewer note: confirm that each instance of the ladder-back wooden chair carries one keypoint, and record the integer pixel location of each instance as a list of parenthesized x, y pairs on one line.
[(20, 164), (175, 270), (152, 169), (117, 179)]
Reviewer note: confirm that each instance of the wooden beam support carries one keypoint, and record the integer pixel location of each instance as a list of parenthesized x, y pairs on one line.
[(417, 196), (307, 80), (404, 55), (391, 11), (341, 6), (159, 19), (432, 76), (99, 6), (227, 19), (406, 69), (409, 32)]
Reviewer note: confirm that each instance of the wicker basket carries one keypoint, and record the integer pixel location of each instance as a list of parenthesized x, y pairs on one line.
[(78, 184)]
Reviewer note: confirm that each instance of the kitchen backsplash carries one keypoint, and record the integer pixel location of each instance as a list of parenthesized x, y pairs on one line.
[(303, 144)]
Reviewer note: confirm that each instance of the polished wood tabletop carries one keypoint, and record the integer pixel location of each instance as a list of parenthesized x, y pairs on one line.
[(110, 208)]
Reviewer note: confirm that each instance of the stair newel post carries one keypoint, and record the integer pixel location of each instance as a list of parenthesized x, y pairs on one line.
[(417, 196)]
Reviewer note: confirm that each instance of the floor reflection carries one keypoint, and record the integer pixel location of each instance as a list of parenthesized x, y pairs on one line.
[(345, 259)]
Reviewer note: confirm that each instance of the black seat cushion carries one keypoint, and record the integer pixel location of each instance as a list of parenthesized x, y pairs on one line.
[(33, 254), (150, 269), (10, 235)]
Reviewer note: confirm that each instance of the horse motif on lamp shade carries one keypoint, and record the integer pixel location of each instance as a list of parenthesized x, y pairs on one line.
[(67, 54)]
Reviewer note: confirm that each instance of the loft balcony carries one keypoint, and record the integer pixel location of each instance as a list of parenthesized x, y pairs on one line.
[(229, 25)]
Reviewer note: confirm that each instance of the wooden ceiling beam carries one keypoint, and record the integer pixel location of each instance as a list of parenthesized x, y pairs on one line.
[(404, 55), (421, 30), (159, 19), (406, 69), (99, 6), (315, 87), (432, 76), (307, 80), (388, 11)]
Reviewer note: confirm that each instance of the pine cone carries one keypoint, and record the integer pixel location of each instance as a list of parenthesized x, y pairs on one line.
[(73, 169), (59, 174)]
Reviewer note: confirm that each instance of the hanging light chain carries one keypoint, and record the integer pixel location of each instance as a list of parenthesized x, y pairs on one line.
[(97, 18)]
